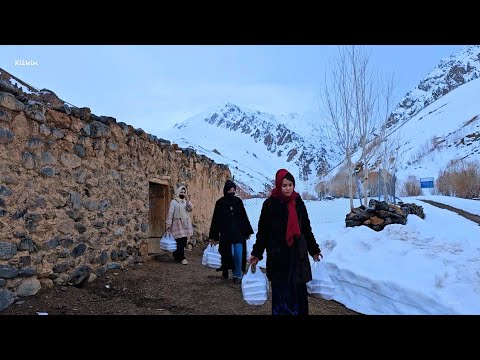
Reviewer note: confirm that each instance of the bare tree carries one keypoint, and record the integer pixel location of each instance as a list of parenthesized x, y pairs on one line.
[(365, 104), (460, 178), (390, 160), (337, 106), (356, 101), (411, 187), (388, 139)]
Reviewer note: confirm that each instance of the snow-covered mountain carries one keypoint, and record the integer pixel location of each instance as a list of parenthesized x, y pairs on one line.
[(256, 144), (451, 72), (446, 130), (438, 121)]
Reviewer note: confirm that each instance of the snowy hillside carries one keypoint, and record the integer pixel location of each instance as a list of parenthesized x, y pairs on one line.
[(256, 144), (445, 125), (448, 129), (451, 72), (423, 267)]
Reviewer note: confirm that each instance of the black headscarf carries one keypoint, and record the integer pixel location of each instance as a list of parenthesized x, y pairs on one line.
[(228, 185), (230, 198)]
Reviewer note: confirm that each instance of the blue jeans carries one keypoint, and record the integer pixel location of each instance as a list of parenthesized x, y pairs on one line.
[(237, 250)]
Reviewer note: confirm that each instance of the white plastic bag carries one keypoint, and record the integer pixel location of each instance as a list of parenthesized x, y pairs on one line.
[(205, 256), (255, 286), (211, 257), (321, 285), (167, 242)]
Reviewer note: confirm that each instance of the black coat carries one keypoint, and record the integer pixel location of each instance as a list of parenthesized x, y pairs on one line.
[(271, 235), (230, 225)]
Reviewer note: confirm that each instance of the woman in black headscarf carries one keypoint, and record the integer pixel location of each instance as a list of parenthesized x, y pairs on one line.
[(231, 228)]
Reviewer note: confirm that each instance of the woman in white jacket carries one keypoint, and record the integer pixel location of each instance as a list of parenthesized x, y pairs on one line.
[(179, 223)]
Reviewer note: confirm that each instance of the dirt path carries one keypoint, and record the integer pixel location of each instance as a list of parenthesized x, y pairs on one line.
[(465, 214), (157, 287)]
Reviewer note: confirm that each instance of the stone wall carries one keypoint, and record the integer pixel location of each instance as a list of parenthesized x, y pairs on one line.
[(380, 214), (74, 193)]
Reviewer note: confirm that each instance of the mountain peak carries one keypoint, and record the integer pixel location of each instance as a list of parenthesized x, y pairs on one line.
[(452, 71), (229, 106), (255, 144), (467, 50)]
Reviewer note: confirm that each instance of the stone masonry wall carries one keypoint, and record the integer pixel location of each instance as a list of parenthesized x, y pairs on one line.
[(74, 193)]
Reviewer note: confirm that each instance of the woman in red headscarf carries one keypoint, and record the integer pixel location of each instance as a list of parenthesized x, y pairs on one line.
[(284, 231)]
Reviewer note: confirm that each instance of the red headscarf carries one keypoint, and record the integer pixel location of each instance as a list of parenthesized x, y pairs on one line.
[(293, 229)]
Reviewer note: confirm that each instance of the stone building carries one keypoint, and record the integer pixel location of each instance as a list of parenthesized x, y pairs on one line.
[(83, 194)]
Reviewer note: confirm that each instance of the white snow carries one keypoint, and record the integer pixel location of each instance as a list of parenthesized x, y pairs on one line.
[(429, 266), (249, 160), (445, 119), (469, 205)]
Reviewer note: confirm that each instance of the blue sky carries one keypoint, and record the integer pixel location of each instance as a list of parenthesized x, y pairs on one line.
[(153, 87)]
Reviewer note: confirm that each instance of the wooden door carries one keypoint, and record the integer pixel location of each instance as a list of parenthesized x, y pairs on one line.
[(158, 208)]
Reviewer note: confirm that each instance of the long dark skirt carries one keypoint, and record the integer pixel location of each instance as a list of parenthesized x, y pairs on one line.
[(289, 298)]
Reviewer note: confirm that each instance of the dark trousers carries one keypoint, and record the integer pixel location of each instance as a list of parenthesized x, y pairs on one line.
[(179, 254)]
